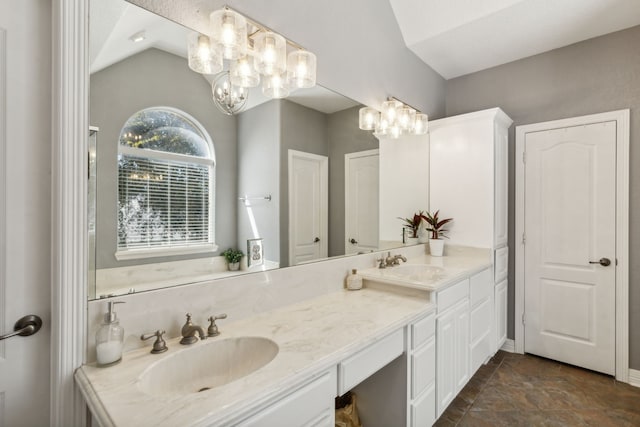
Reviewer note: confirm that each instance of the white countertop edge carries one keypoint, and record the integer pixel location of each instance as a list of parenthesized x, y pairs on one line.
[(92, 399)]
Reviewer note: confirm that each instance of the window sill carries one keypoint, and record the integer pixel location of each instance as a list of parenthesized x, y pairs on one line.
[(164, 252)]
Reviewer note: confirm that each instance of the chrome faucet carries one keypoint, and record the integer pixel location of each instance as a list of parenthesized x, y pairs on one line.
[(390, 261), (189, 331)]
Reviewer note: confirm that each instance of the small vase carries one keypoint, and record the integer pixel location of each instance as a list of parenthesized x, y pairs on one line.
[(234, 266), (436, 247)]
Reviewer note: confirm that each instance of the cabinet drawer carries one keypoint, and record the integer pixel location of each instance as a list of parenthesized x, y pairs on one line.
[(452, 295), (361, 365), (423, 368), (480, 286), (310, 405), (501, 264), (423, 410), (422, 330)]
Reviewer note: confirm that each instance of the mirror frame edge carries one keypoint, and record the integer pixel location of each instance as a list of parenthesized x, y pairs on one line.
[(69, 130)]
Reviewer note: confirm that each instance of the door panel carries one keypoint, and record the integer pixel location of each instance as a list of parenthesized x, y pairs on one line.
[(361, 201), (570, 221)]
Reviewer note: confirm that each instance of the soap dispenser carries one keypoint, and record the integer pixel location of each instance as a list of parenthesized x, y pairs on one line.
[(354, 281), (110, 337)]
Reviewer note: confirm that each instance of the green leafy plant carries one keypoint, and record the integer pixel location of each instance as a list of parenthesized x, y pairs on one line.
[(413, 223), (436, 224), (232, 255)]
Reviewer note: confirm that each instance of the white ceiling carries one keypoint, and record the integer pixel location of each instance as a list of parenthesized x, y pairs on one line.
[(457, 37)]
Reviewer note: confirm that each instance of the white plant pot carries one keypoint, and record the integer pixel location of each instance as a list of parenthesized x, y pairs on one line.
[(423, 235), (436, 247), (410, 241)]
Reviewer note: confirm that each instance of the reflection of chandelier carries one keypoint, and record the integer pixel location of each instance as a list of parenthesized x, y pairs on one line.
[(254, 53), (229, 98)]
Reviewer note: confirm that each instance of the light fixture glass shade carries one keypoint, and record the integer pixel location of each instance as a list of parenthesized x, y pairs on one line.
[(275, 86), (421, 125), (229, 98), (395, 131), (301, 69), (243, 73), (406, 118), (271, 53), (368, 118), (382, 129), (229, 33), (390, 110), (202, 56)]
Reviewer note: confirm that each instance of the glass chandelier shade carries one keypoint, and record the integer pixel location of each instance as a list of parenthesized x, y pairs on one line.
[(421, 125), (369, 118), (406, 118), (271, 53), (301, 69), (229, 98), (202, 55), (390, 110), (229, 33), (243, 73), (275, 86)]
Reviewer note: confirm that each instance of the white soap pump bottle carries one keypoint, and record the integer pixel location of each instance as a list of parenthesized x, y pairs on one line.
[(109, 338)]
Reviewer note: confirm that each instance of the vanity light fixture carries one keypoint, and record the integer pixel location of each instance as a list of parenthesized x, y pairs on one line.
[(253, 53), (395, 119)]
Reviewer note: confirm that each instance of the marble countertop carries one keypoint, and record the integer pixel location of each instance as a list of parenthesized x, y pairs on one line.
[(433, 273), (312, 336)]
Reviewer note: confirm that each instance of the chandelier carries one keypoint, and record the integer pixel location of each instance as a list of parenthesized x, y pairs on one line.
[(395, 119), (253, 54)]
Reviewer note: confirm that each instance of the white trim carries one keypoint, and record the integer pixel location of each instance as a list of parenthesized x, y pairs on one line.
[(621, 117), (165, 251), (70, 130), (634, 377), (347, 173), (324, 197), (3, 181), (509, 346)]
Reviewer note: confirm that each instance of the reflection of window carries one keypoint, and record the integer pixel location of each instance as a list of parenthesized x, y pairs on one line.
[(165, 185)]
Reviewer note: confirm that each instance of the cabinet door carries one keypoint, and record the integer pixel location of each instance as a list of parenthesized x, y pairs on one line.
[(501, 179), (501, 313), (446, 365), (482, 339), (462, 345)]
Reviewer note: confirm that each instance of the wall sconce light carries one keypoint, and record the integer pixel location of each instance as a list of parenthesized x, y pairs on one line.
[(254, 53), (395, 119)]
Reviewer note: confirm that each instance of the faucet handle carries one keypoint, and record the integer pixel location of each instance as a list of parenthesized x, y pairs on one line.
[(212, 330), (159, 346), (381, 263)]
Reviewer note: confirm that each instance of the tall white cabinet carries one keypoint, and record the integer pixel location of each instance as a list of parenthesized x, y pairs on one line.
[(469, 183)]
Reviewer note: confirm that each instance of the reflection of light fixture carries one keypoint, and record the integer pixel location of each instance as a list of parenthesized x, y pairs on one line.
[(253, 52), (229, 98), (395, 119), (202, 55)]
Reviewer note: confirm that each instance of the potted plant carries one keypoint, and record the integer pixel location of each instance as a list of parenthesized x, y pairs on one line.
[(435, 224), (412, 225), (233, 257)]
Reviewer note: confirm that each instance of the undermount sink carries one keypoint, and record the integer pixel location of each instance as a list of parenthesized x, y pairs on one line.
[(207, 365), (419, 272)]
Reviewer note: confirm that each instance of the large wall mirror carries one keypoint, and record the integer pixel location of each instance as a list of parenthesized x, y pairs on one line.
[(162, 156)]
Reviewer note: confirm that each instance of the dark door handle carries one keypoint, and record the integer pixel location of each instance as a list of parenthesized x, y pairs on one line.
[(316, 240), (353, 241), (602, 261), (25, 326)]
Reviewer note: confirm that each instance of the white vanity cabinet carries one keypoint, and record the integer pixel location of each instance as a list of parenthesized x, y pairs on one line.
[(482, 342), (468, 175), (422, 372), (452, 343)]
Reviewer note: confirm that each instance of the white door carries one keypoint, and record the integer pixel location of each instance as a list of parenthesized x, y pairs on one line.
[(570, 219), (362, 173), (25, 207), (308, 206)]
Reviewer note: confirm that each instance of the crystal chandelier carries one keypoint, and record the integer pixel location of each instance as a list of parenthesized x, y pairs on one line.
[(394, 120), (253, 54)]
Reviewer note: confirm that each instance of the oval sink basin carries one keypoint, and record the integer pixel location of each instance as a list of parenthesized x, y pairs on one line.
[(209, 364), (419, 272)]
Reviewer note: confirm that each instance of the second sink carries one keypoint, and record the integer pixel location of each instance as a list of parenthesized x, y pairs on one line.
[(207, 365)]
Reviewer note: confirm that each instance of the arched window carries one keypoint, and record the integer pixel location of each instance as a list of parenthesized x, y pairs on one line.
[(166, 185)]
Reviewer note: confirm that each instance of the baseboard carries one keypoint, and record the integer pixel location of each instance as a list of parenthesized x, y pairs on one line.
[(510, 347), (634, 377)]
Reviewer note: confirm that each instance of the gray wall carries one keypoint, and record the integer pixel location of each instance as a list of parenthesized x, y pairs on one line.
[(598, 75), (344, 137), (156, 78), (258, 166), (302, 129)]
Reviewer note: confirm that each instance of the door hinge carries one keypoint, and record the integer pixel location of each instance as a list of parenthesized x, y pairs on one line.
[(524, 157), (524, 238)]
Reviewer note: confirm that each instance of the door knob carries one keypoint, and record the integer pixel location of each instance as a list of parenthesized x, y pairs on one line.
[(353, 241), (316, 240), (25, 326), (602, 261)]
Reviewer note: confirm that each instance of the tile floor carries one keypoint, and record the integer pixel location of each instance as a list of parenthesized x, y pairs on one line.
[(525, 390)]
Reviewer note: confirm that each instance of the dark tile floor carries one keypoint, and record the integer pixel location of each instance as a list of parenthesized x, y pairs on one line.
[(525, 390)]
